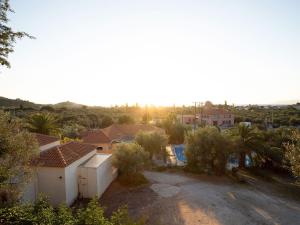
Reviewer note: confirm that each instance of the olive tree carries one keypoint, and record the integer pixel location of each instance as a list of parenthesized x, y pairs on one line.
[(129, 158), (207, 151), (17, 149)]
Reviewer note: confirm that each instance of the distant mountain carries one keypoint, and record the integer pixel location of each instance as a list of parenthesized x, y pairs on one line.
[(67, 104), (287, 102), (17, 103)]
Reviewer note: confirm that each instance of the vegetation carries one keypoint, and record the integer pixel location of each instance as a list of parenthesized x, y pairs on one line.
[(125, 119), (207, 151), (174, 129), (8, 36), (247, 140), (130, 159), (17, 148), (293, 153), (154, 143), (43, 213), (43, 123)]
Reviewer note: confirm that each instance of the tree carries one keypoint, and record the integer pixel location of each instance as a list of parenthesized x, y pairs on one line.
[(153, 143), (175, 130), (8, 36), (293, 153), (17, 148), (43, 123), (64, 216), (207, 151), (93, 214), (125, 119), (43, 211), (129, 158), (106, 121), (247, 140)]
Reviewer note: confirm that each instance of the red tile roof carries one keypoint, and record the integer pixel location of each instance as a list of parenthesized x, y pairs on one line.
[(63, 155), (119, 131), (116, 132), (45, 139), (94, 137)]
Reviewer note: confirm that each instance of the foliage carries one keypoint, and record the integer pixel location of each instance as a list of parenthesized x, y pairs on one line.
[(106, 121), (129, 158), (17, 148), (175, 130), (17, 215), (42, 213), (247, 139), (64, 216), (93, 214), (293, 153), (8, 36), (152, 142), (207, 151), (121, 217), (72, 131), (43, 123), (125, 119)]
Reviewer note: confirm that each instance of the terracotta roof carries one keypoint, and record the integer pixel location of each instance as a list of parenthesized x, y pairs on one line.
[(116, 132), (119, 131), (94, 137), (63, 155), (45, 139)]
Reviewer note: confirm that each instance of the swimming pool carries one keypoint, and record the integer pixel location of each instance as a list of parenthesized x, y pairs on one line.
[(179, 152)]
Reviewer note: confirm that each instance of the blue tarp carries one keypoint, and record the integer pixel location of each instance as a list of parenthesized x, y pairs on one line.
[(179, 152)]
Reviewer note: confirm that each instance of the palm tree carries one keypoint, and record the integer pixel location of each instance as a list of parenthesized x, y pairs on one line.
[(247, 140), (43, 123)]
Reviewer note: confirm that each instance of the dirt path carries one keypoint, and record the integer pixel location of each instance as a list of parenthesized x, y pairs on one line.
[(175, 199)]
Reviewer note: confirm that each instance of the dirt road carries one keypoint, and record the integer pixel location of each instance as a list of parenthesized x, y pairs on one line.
[(176, 199)]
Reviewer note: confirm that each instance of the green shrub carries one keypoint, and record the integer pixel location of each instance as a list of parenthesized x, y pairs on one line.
[(92, 215), (129, 158)]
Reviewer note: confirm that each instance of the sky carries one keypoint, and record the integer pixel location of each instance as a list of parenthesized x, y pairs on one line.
[(160, 52)]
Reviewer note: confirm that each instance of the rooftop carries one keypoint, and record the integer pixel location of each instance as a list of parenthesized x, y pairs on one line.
[(63, 155), (44, 139), (96, 160)]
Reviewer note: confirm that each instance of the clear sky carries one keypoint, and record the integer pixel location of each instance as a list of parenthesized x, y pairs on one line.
[(160, 52)]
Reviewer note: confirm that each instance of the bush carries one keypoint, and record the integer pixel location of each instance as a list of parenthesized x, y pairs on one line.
[(41, 213), (129, 158), (207, 151), (293, 153), (153, 142)]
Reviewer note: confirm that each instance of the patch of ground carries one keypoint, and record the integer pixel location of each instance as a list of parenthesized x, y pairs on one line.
[(177, 199)]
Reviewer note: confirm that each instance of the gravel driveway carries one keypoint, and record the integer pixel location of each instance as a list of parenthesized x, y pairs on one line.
[(176, 199), (202, 202)]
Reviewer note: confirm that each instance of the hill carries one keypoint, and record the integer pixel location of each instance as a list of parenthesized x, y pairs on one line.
[(68, 105), (17, 103)]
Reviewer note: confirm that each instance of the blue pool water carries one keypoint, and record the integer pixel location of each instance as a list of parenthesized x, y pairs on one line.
[(179, 152)]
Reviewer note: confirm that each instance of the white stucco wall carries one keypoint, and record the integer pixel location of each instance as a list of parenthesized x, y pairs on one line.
[(71, 174), (97, 178), (51, 145), (106, 173), (30, 190), (51, 181)]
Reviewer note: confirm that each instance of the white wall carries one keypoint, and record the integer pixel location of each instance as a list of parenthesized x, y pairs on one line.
[(106, 173), (51, 145), (97, 179), (71, 174), (30, 190), (51, 181)]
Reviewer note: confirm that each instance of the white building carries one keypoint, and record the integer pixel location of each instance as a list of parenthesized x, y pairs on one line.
[(57, 171)]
